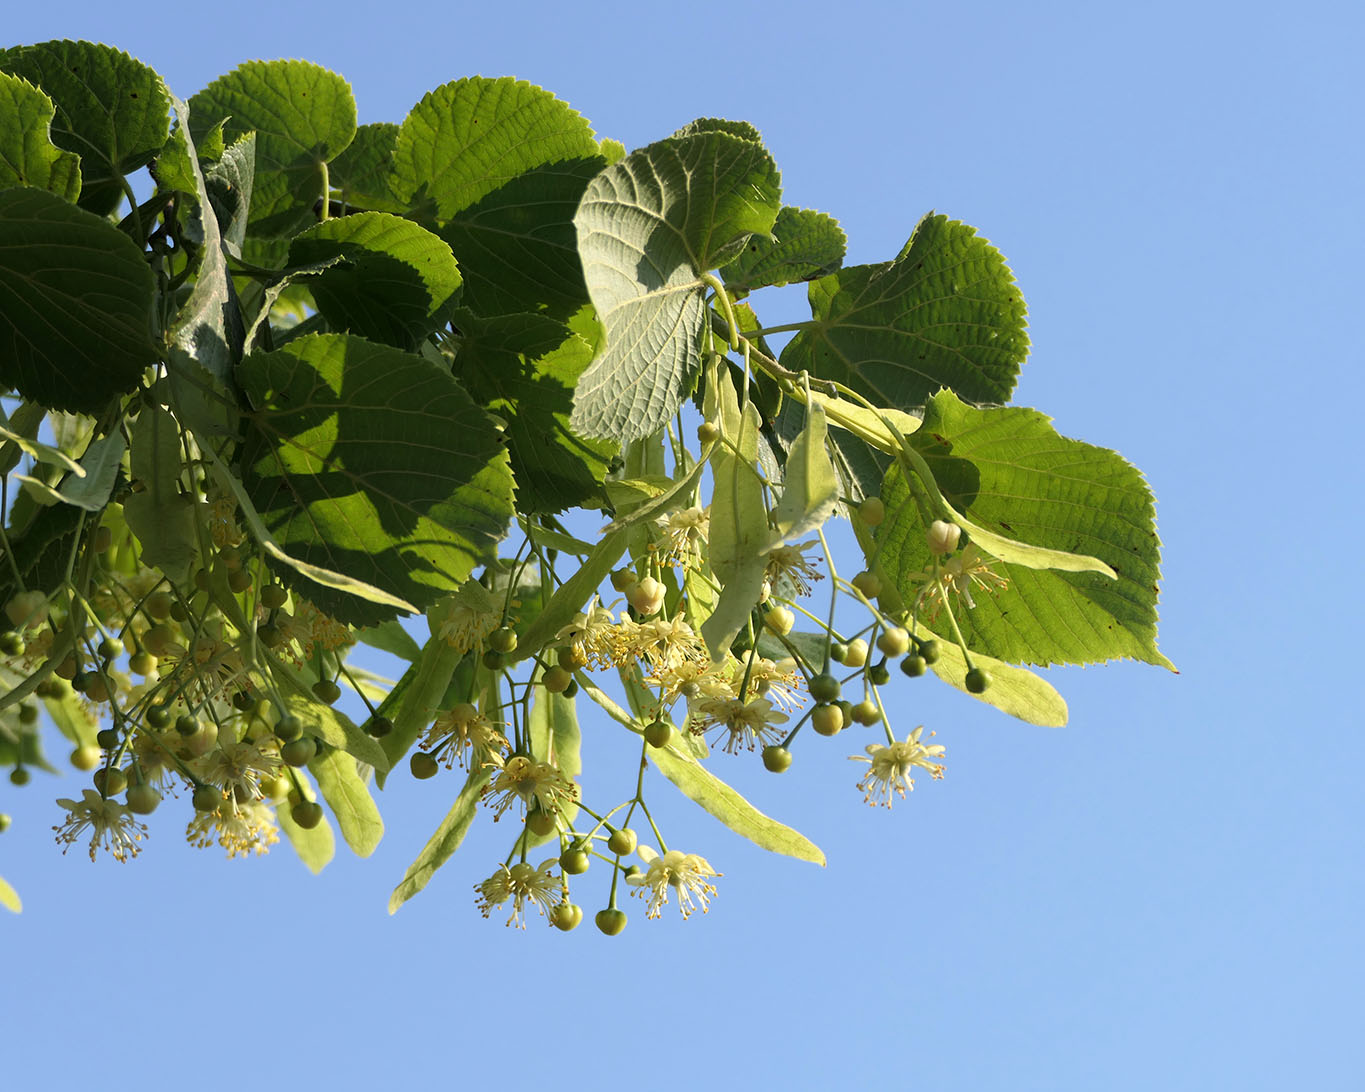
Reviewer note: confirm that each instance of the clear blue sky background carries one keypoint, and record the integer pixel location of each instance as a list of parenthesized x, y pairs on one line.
[(1165, 894)]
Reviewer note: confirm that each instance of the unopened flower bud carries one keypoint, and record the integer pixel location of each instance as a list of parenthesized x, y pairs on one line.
[(646, 596), (943, 537)]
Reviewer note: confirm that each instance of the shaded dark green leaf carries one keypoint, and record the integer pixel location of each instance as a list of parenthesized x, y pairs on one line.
[(804, 245)]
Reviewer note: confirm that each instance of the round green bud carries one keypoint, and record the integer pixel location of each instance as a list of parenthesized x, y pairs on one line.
[(270, 635), (423, 765), (977, 680), (378, 727), (825, 687), (866, 712), (622, 842), (658, 733), (827, 719), (894, 641), (206, 798), (566, 916), (914, 666), (28, 713), (19, 775), (186, 724), (870, 584), (298, 752), (879, 674), (239, 580), (857, 653), (273, 597), (930, 651), (86, 758), (326, 691), (611, 921), (11, 644), (708, 432), (780, 620), (109, 780), (493, 659), (306, 813), (872, 511), (5, 821), (143, 799), (541, 823), (574, 861), (503, 639), (142, 663), (108, 738), (556, 680), (776, 759), (288, 727), (158, 605), (838, 652), (570, 658)]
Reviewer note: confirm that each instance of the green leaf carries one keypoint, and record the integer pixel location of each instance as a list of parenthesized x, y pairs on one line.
[(523, 368), (230, 183), (9, 898), (76, 326), (315, 847), (742, 129), (555, 737), (303, 116), (739, 537), (375, 463), (349, 798), (99, 465), (207, 336), (444, 842), (1009, 472), (112, 110), (701, 786), (944, 313), (1013, 690), (811, 491), (361, 175), (160, 515), (27, 155), (804, 245), (569, 598), (392, 638), (42, 548), (398, 281), (649, 227), (502, 165)]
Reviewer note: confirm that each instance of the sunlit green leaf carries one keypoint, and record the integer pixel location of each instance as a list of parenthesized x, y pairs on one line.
[(704, 788), (9, 898), (1013, 690), (1009, 471), (648, 228), (27, 155), (349, 798), (373, 462), (397, 284), (303, 116), (805, 244), (444, 842), (501, 164), (944, 313), (111, 110), (555, 737), (315, 847), (361, 175)]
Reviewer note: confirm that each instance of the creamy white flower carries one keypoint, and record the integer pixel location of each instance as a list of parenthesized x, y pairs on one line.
[(685, 872), (957, 575), (788, 565), (519, 883), (537, 785), (111, 826), (747, 722), (240, 827), (890, 766)]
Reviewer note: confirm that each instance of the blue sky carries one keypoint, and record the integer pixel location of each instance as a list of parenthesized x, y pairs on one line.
[(1167, 893)]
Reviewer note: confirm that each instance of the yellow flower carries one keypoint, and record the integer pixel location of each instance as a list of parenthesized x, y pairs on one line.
[(788, 564), (238, 769), (748, 722), (957, 575), (890, 766), (240, 827), (519, 883), (466, 728), (535, 784), (111, 826), (685, 872)]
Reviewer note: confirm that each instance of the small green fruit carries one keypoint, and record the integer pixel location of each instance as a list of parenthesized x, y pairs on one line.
[(708, 432), (879, 674), (977, 680), (872, 511), (540, 823), (894, 641), (827, 719), (930, 651), (273, 597), (776, 759), (108, 738), (611, 922), (142, 663), (503, 639), (298, 752), (19, 775), (866, 712), (326, 691), (825, 687), (914, 666), (423, 765), (11, 644), (857, 653), (566, 917), (143, 799), (206, 798), (658, 733), (622, 842), (86, 758), (378, 727), (556, 680), (306, 813), (574, 861), (870, 584), (109, 780)]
